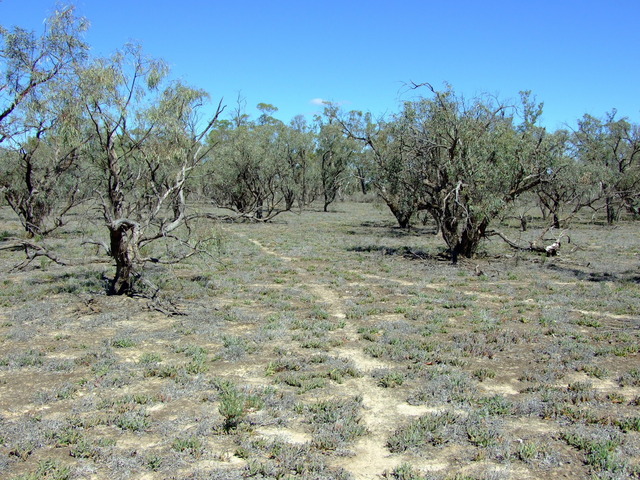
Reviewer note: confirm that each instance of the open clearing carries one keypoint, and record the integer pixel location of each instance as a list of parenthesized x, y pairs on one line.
[(326, 346)]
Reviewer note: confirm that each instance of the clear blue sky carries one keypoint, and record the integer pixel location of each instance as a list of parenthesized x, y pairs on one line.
[(577, 56)]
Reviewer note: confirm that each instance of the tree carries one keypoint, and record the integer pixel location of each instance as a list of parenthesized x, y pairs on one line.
[(42, 176), (254, 170), (298, 149), (612, 147), (147, 142), (40, 122), (570, 185), (267, 110), (384, 162), (462, 161), (335, 152), (474, 160)]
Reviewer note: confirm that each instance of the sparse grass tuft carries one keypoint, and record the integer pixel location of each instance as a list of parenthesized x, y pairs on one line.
[(335, 423), (235, 403), (530, 451), (600, 451), (483, 374), (630, 378), (48, 470), (389, 379), (431, 429), (405, 471), (191, 445)]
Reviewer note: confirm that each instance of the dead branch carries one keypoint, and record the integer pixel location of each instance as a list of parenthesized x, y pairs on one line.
[(156, 301), (32, 251), (550, 250), (248, 216), (99, 244), (168, 308)]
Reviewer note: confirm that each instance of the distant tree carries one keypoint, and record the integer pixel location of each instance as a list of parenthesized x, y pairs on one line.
[(147, 142), (261, 169), (570, 186), (298, 150), (612, 148), (266, 114), (335, 153)]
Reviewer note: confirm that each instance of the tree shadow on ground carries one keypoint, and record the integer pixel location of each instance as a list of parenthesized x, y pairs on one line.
[(626, 276), (393, 230), (404, 252), (78, 281)]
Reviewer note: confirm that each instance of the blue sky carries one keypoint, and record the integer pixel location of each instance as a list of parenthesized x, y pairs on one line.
[(575, 56)]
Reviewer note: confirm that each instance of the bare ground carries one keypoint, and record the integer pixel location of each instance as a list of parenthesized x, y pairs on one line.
[(536, 361)]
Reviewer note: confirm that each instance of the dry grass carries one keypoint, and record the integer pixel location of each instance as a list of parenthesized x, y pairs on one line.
[(325, 346)]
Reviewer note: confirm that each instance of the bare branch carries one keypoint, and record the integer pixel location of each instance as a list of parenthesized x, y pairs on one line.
[(32, 251)]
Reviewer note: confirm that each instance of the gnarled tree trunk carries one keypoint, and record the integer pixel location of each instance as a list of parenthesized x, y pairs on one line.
[(123, 236), (463, 240)]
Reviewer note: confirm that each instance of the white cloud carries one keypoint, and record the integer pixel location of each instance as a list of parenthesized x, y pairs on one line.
[(317, 101)]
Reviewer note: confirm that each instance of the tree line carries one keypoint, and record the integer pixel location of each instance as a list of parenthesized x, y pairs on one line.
[(119, 133)]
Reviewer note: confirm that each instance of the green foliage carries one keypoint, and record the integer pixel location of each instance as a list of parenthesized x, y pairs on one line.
[(232, 407), (335, 423), (235, 404), (481, 433), (133, 420), (630, 378), (335, 155), (153, 462), (463, 162), (145, 145), (391, 380), (404, 471), (529, 451), (124, 342), (631, 424), (609, 149), (495, 405), (483, 374), (150, 358), (41, 122)]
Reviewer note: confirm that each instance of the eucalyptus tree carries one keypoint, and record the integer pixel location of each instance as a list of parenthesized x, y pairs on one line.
[(386, 163), (147, 141), (298, 142), (29, 62), (474, 158), (244, 178), (42, 173), (612, 148), (462, 161), (571, 186), (335, 154), (41, 127), (257, 166)]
